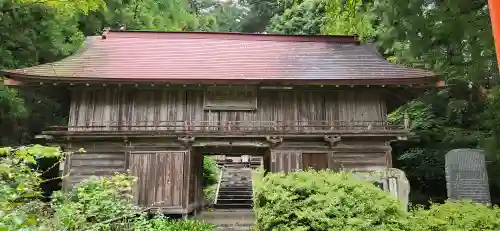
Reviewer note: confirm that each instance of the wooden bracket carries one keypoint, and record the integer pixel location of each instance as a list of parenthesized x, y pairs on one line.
[(274, 140), (187, 141), (332, 140)]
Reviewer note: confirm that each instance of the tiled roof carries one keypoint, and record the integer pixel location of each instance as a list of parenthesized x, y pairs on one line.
[(201, 57)]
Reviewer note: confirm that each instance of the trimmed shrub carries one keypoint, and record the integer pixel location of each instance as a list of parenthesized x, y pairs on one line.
[(460, 215), (324, 200)]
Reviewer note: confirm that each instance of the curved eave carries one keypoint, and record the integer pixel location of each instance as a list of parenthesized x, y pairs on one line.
[(25, 79)]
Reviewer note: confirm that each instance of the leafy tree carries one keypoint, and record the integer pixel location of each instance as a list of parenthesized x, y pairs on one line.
[(226, 15), (261, 12), (348, 17), (424, 34), (452, 38), (333, 17), (140, 15), (31, 35), (84, 6), (308, 18)]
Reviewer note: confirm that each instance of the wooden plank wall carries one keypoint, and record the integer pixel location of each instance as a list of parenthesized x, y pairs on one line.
[(362, 156), (285, 160), (100, 159), (129, 106), (161, 176)]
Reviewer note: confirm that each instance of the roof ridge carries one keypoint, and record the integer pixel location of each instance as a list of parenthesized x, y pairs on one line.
[(350, 39)]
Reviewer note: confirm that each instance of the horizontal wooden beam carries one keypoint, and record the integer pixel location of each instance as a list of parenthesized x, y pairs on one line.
[(230, 144), (144, 134)]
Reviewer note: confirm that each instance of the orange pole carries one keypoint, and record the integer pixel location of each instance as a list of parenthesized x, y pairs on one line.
[(495, 23)]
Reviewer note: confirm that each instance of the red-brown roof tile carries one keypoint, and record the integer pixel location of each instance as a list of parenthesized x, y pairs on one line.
[(201, 57)]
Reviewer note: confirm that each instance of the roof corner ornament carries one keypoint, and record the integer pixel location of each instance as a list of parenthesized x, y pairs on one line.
[(105, 32)]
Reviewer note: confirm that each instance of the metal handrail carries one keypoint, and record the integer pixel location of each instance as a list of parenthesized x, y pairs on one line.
[(218, 185)]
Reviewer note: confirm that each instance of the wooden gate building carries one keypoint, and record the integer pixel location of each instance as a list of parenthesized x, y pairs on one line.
[(154, 102)]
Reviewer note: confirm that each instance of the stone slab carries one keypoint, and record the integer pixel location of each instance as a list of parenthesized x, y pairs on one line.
[(466, 175)]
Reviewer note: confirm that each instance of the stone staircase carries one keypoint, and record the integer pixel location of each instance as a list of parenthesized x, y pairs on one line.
[(235, 191), (233, 209)]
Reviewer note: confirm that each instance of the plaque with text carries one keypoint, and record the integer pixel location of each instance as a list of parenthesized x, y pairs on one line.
[(466, 175), (230, 99)]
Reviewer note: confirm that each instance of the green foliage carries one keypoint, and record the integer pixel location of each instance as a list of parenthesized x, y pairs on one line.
[(70, 6), (224, 16), (160, 224), (306, 18), (424, 34), (210, 171), (348, 18), (209, 192), (311, 200), (443, 119), (324, 200), (139, 15), (261, 12), (30, 35), (461, 215), (35, 34), (96, 204)]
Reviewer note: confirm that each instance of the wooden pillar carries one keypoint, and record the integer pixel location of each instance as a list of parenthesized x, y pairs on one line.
[(494, 6)]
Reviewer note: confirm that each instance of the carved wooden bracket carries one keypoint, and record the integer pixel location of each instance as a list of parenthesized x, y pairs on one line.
[(274, 140), (186, 140), (332, 140)]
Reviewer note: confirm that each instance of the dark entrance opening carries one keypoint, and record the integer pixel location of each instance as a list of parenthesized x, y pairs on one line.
[(316, 161)]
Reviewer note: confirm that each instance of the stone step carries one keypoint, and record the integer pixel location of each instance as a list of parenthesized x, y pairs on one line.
[(231, 196), (232, 206), (232, 191), (235, 201), (238, 221), (229, 219), (236, 187), (234, 228), (234, 195)]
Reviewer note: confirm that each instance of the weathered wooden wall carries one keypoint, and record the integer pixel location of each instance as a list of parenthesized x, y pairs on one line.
[(99, 159), (168, 178), (161, 178), (362, 156), (110, 106)]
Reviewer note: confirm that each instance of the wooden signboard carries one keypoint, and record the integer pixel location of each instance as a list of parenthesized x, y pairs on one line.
[(222, 98)]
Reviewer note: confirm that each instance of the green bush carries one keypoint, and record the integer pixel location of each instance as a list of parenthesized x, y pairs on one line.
[(460, 215), (160, 223), (96, 204), (209, 192), (210, 171), (324, 200)]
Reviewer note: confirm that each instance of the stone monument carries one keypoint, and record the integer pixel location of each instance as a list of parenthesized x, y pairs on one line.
[(466, 176), (392, 180)]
